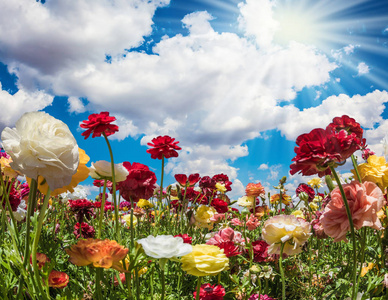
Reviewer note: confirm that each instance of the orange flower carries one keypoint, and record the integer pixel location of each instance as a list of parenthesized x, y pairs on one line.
[(81, 175), (58, 279), (101, 253), (41, 260), (286, 199), (254, 189)]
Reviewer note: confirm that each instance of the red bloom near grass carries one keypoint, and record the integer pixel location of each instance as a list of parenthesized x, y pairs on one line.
[(220, 205), (183, 180), (186, 238), (230, 249), (58, 279), (87, 231), (260, 250), (99, 124), (210, 292), (163, 146), (139, 184)]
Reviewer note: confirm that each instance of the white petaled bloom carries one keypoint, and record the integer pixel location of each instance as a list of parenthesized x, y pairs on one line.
[(80, 192), (41, 145), (102, 169), (246, 201), (21, 211), (165, 246)]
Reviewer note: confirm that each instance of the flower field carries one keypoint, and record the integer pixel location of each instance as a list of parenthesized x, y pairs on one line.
[(140, 239)]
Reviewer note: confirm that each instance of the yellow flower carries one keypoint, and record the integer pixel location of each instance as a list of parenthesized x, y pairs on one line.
[(366, 269), (127, 219), (286, 199), (81, 175), (246, 201), (205, 260), (143, 203), (203, 215), (286, 229), (298, 213), (313, 206), (315, 183), (374, 170), (6, 168), (220, 187)]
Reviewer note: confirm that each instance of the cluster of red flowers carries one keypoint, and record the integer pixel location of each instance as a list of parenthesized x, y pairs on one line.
[(220, 205), (210, 292), (322, 148)]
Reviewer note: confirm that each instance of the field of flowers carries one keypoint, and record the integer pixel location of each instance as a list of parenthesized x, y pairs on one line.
[(187, 241)]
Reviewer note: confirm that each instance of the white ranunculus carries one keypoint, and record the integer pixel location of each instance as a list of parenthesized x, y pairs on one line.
[(165, 246), (80, 192), (42, 145), (103, 169)]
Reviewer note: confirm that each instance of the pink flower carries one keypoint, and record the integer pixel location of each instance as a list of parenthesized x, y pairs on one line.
[(252, 222), (163, 146), (236, 222), (365, 200), (217, 217), (226, 235)]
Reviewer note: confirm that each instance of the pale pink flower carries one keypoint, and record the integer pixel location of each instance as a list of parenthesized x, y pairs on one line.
[(365, 200), (236, 222), (226, 235), (252, 222), (217, 217)]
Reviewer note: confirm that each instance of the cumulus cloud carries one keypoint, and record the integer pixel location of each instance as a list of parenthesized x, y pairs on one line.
[(76, 105), (362, 69), (263, 167)]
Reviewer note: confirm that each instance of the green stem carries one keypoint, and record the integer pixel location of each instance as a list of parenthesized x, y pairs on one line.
[(98, 283), (354, 273), (116, 205), (162, 264), (101, 211), (282, 272), (198, 288), (356, 168)]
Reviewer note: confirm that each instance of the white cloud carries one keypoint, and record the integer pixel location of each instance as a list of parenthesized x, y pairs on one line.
[(263, 167), (76, 105), (362, 68)]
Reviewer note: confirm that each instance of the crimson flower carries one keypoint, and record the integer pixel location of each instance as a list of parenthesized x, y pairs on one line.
[(223, 179), (208, 185), (163, 146), (99, 124), (348, 124), (186, 238), (260, 250), (87, 231), (220, 205), (82, 208), (139, 184), (302, 187), (210, 292), (230, 249), (321, 148), (183, 180), (14, 196)]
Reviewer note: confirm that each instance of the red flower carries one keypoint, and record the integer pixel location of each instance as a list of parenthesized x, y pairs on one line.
[(208, 185), (348, 124), (186, 238), (210, 292), (220, 205), (87, 231), (79, 204), (98, 124), (223, 179), (183, 181), (41, 260), (318, 150), (58, 279), (163, 146), (139, 184), (98, 182), (260, 251), (13, 196), (302, 187), (230, 249)]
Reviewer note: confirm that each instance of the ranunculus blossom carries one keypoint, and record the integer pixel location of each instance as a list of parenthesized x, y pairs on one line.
[(321, 148), (254, 189), (139, 184), (315, 183), (220, 205), (58, 279), (100, 253), (99, 124), (103, 169), (374, 170), (226, 235), (164, 246), (365, 200), (261, 297), (203, 215), (275, 198), (163, 146), (348, 124), (286, 229), (41, 260), (183, 180), (42, 145), (302, 187), (260, 250), (210, 292), (205, 260), (224, 180), (86, 230), (246, 201), (186, 238), (208, 185), (14, 196), (252, 222), (6, 168)]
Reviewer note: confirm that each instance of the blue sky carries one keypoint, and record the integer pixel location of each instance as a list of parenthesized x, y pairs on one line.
[(234, 81)]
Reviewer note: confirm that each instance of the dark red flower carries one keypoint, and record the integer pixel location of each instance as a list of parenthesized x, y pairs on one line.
[(348, 124), (139, 184), (260, 251), (223, 179), (98, 182), (163, 146), (14, 196), (208, 185), (210, 292), (195, 196), (220, 205), (186, 238), (125, 205), (302, 187), (321, 148), (230, 249), (191, 181), (99, 124), (175, 204), (87, 231), (82, 208)]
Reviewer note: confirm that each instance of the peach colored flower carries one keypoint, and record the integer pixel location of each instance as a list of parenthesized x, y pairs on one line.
[(286, 199), (260, 211), (365, 200), (236, 222), (58, 279), (101, 253), (217, 218), (254, 189), (252, 222)]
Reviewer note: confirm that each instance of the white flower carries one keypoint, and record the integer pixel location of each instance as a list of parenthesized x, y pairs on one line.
[(21, 211), (103, 169), (42, 145), (165, 246), (246, 201), (80, 192)]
